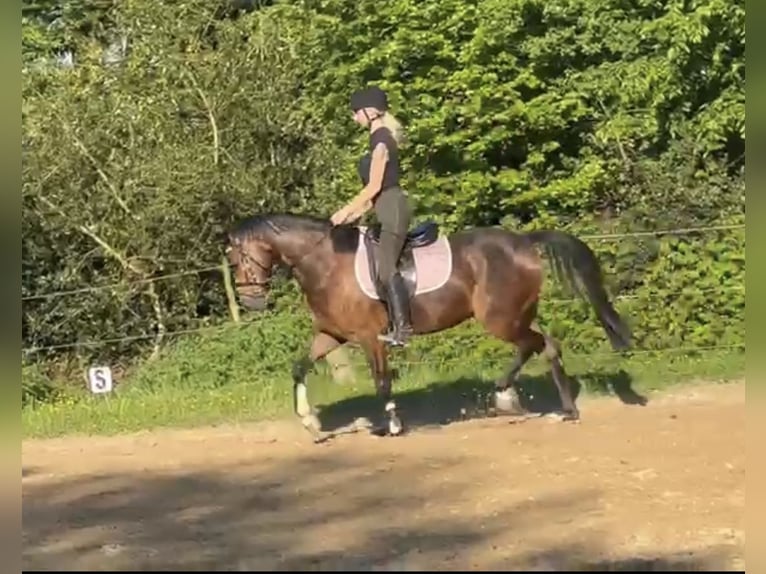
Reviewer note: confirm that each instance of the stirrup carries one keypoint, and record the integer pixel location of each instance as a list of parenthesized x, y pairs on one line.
[(394, 338)]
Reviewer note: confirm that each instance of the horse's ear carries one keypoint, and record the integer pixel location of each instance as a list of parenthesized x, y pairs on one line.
[(222, 235)]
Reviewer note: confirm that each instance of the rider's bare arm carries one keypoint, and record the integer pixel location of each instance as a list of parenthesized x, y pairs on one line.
[(377, 167)]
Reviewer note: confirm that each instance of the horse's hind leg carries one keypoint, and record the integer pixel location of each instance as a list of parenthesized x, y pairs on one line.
[(320, 346), (552, 352), (532, 340), (528, 342), (506, 396)]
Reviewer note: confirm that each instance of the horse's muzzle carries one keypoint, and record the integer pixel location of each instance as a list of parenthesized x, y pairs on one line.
[(254, 302)]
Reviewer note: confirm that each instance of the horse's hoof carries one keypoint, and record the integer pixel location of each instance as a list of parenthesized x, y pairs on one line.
[(518, 419), (395, 427), (507, 402), (570, 416), (311, 423), (322, 438)]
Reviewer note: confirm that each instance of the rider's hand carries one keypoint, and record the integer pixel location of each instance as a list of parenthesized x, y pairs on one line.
[(341, 215)]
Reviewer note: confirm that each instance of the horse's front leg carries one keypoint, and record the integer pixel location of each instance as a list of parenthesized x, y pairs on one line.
[(321, 345), (382, 376)]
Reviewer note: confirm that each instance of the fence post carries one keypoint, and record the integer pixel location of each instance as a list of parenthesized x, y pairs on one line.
[(231, 296)]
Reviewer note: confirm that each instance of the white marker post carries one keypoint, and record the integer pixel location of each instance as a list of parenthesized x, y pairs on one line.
[(100, 380)]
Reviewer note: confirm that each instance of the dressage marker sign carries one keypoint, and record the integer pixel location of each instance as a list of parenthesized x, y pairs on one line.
[(100, 380)]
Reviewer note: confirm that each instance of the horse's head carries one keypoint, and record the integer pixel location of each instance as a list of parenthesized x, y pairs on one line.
[(259, 242), (252, 260)]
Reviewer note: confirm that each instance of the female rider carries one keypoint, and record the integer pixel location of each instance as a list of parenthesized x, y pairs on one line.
[(379, 172)]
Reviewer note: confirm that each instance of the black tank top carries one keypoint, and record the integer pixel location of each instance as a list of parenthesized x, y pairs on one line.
[(391, 172)]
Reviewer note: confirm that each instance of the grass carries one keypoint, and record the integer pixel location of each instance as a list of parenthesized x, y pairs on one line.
[(172, 399)]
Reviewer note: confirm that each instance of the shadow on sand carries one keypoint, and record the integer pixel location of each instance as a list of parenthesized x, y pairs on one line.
[(328, 510), (443, 403)]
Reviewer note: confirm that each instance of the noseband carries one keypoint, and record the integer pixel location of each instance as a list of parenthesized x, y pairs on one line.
[(254, 283)]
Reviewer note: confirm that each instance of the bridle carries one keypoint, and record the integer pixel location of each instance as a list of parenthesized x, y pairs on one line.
[(255, 282), (243, 254)]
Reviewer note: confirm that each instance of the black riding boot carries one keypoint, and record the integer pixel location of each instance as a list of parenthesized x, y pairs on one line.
[(398, 303)]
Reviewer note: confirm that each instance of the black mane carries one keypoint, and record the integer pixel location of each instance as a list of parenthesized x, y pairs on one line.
[(265, 223), (345, 238)]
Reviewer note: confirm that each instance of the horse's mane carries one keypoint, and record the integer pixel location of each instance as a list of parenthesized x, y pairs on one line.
[(345, 238)]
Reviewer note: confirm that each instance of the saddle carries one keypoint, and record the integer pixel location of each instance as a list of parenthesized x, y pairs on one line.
[(422, 235)]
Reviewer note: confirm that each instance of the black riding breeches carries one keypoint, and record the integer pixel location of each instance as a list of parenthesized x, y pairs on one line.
[(393, 212)]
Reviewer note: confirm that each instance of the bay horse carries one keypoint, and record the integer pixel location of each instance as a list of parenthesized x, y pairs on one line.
[(487, 273)]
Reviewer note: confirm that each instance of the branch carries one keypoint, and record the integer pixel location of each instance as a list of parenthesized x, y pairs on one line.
[(620, 147), (100, 171), (126, 264), (210, 115)]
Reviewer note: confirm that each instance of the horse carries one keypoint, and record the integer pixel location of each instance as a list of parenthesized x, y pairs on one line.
[(488, 273)]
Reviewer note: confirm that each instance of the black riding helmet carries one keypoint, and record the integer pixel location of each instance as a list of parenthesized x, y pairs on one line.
[(369, 97)]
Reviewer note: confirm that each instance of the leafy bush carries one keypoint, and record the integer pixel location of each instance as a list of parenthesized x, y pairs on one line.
[(36, 387), (262, 349), (594, 116)]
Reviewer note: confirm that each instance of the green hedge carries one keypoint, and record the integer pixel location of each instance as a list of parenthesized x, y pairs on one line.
[(595, 116)]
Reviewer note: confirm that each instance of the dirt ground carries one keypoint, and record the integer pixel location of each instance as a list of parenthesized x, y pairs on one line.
[(652, 487)]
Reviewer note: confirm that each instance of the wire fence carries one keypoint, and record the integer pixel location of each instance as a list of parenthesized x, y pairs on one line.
[(505, 359), (32, 350), (121, 284), (213, 328), (217, 267), (501, 360)]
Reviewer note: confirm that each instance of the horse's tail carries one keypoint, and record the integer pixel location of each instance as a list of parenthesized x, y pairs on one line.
[(571, 259)]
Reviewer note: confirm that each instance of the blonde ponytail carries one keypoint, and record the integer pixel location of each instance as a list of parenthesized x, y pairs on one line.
[(394, 126)]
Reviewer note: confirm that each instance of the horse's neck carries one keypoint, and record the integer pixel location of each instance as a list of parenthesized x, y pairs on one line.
[(308, 254), (297, 247)]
